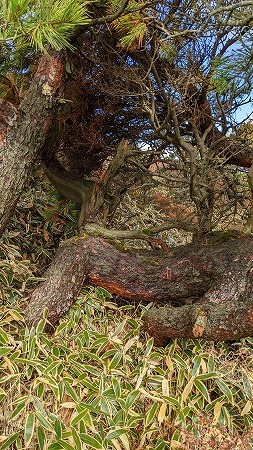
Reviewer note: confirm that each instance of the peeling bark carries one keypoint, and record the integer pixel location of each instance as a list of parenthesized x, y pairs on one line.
[(23, 130), (216, 279)]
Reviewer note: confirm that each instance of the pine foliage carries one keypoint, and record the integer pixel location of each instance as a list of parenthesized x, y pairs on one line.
[(34, 24)]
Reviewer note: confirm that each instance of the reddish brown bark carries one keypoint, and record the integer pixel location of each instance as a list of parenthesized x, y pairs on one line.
[(218, 277), (225, 321), (23, 131)]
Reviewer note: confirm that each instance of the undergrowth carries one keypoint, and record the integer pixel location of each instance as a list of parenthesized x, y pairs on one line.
[(99, 382)]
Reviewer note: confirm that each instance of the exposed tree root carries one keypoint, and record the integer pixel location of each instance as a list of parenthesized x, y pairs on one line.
[(210, 284)]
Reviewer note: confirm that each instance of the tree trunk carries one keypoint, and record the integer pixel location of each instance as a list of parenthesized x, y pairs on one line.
[(215, 281), (216, 322), (23, 130)]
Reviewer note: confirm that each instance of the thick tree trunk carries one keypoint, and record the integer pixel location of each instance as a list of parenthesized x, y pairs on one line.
[(23, 130), (216, 322), (215, 281)]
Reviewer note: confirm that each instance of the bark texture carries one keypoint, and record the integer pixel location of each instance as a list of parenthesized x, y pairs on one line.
[(23, 131), (214, 280), (216, 322)]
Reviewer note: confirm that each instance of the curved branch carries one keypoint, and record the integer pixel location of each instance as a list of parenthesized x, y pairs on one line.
[(144, 234)]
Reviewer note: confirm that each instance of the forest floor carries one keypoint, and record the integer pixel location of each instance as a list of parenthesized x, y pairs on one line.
[(99, 382)]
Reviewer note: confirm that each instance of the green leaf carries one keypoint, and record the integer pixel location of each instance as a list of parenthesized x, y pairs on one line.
[(120, 418), (29, 428), (210, 364), (14, 355), (83, 415), (76, 439), (180, 361), (55, 446), (151, 414), (115, 361), (161, 445), (5, 351), (58, 428), (44, 422), (65, 445), (181, 418), (70, 391), (226, 390), (55, 351), (202, 389), (40, 390), (13, 438), (91, 441), (41, 325), (109, 353), (61, 327), (51, 366), (247, 386), (91, 369), (119, 329), (18, 410), (196, 365), (207, 376), (36, 363), (131, 398), (4, 338), (171, 400), (149, 346), (227, 418), (133, 421), (39, 406), (41, 437), (91, 356), (95, 409), (116, 433), (116, 387)]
